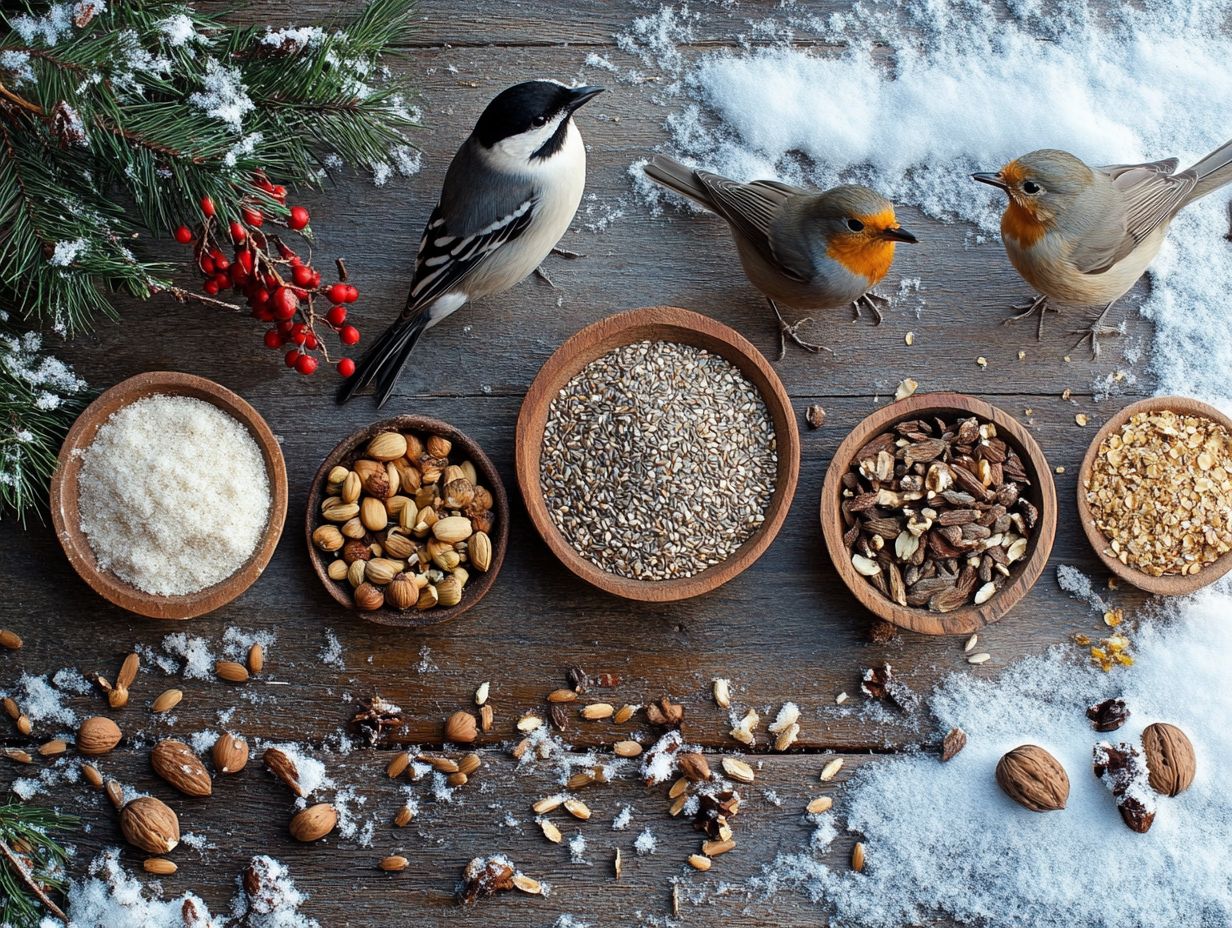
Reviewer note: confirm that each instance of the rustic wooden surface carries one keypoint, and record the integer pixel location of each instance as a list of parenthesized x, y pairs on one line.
[(785, 630)]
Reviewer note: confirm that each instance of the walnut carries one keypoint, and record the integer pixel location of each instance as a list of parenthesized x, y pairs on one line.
[(1033, 778), (1169, 758)]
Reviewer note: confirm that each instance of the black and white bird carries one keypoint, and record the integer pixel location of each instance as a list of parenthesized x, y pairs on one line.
[(508, 197)]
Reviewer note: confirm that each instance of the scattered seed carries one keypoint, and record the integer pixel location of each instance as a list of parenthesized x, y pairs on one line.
[(256, 658), (24, 725), (53, 748), (394, 863), (626, 749), (597, 710), (1080, 418), (579, 780), (167, 700), (562, 695), (10, 640), (18, 755), (550, 831), (93, 777), (699, 862), (529, 723), (787, 737), (954, 741), (616, 866), (815, 416), (398, 765), (819, 805), (437, 762), (981, 361), (457, 778), (231, 672), (678, 788), (677, 805), (715, 848), (481, 694), (548, 804), (403, 818), (159, 866), (115, 792), (978, 658), (906, 388), (909, 339), (857, 857), (469, 764), (738, 770), (527, 884), (10, 708), (623, 714), (830, 770), (840, 698), (722, 693), (577, 809), (971, 642)]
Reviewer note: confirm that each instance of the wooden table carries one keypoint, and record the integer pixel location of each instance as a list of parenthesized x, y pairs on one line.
[(785, 630)]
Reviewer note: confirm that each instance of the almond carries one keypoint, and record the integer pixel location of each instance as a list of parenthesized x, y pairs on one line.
[(97, 735), (394, 863), (256, 658), (159, 866), (150, 825), (577, 809), (452, 529), (93, 777), (404, 816), (281, 766), (550, 831), (115, 793), (461, 727), (128, 671), (10, 640), (398, 765), (857, 857), (387, 446), (176, 763), (469, 764), (231, 672), (314, 822), (230, 754), (53, 748), (167, 700)]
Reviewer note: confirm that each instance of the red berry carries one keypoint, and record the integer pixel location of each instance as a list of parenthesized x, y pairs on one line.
[(207, 206), (273, 339), (220, 262), (299, 333), (346, 367), (337, 293), (206, 264), (221, 280), (259, 296), (279, 193), (302, 275), (263, 313), (351, 294), (210, 287), (336, 315), (285, 303), (285, 326), (310, 341), (252, 216), (239, 276), (244, 260), (306, 364), (348, 335), (183, 235), (238, 234), (292, 357), (315, 281), (299, 218)]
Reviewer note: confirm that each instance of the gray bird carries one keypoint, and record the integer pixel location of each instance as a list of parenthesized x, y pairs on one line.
[(509, 195), (1084, 235), (808, 249)]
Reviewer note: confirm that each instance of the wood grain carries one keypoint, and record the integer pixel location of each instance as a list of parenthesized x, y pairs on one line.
[(659, 323), (1169, 584), (345, 452), (67, 518), (1041, 492)]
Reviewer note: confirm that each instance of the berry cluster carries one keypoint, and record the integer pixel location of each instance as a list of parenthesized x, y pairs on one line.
[(278, 285)]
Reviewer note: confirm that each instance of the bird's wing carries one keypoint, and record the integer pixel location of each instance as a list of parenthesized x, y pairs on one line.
[(1150, 195), (445, 258), (752, 209)]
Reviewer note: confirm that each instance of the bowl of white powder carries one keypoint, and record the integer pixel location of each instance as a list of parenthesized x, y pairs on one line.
[(170, 495)]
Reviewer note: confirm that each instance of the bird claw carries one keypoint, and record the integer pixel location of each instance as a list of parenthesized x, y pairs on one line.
[(874, 302), (1038, 306), (566, 253), (543, 275), (1093, 333), (791, 331)]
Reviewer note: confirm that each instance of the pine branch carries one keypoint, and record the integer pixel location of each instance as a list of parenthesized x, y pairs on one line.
[(31, 864)]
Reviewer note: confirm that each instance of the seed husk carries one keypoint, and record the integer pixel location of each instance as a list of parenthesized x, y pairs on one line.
[(550, 831), (577, 809), (722, 693), (679, 788), (167, 700), (830, 770), (715, 848), (115, 793), (481, 694), (699, 862), (403, 817), (93, 777), (53, 748), (738, 770), (159, 866), (979, 658), (819, 805), (22, 757), (398, 765), (527, 884), (624, 713), (394, 863), (485, 717), (626, 749), (616, 864), (579, 780), (548, 804)]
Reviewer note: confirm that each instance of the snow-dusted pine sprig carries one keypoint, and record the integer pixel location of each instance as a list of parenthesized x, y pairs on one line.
[(31, 864)]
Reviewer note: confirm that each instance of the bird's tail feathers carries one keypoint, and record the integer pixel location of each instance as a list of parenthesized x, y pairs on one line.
[(383, 362), (1213, 171), (681, 178)]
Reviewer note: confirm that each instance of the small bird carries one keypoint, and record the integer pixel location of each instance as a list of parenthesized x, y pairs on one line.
[(1084, 235), (509, 195), (806, 248)]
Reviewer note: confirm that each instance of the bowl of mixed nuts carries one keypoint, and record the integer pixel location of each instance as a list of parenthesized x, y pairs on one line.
[(939, 512), (1155, 494), (407, 522)]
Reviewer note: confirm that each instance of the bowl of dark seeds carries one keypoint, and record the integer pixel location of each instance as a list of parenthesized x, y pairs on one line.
[(939, 512), (658, 454)]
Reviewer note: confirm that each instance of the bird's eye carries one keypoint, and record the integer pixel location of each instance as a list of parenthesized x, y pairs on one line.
[(1031, 186), (539, 121), (855, 225)]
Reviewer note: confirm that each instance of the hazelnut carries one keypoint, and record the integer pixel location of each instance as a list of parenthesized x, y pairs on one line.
[(368, 598), (461, 727), (437, 446), (402, 592), (356, 550), (328, 538)]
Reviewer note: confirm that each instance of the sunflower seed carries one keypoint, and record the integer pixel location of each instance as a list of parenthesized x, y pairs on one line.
[(830, 770)]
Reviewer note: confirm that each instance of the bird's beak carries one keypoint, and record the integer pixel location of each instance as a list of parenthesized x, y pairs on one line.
[(899, 234), (993, 180), (580, 96)]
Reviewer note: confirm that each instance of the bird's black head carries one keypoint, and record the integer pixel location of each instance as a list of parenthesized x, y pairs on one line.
[(532, 108)]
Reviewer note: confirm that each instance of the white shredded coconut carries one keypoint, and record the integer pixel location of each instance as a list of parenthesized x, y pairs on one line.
[(174, 494)]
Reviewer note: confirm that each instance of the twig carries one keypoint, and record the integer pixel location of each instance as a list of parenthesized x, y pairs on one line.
[(23, 872), (183, 295)]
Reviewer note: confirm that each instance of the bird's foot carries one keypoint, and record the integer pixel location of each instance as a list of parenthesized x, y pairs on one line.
[(566, 253), (1036, 307), (874, 302), (1093, 332), (792, 331), (543, 275)]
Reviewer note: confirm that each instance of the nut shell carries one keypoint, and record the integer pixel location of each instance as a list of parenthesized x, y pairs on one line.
[(97, 735), (461, 727), (1033, 778), (150, 825), (314, 822), (1169, 758), (176, 763), (230, 754)]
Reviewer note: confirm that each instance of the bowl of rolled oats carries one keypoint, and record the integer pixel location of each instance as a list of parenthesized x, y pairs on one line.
[(1155, 494), (658, 454), (939, 513)]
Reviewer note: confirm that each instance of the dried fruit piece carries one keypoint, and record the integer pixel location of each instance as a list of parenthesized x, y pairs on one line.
[(1108, 715), (1033, 778), (1169, 758), (1123, 769), (313, 823)]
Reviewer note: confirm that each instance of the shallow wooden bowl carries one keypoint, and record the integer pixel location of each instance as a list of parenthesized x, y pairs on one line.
[(351, 448), (1163, 586), (67, 520), (1042, 493), (659, 323)]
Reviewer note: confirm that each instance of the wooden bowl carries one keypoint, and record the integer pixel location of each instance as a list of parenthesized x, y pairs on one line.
[(67, 519), (659, 323), (345, 453), (1042, 493), (1171, 585)]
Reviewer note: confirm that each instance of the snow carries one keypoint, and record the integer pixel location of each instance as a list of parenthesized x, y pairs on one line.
[(577, 849), (1078, 585), (43, 702), (65, 253), (646, 843), (223, 95), (178, 31), (622, 819), (331, 652), (194, 651)]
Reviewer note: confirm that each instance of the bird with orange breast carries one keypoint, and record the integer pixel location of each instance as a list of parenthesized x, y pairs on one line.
[(1083, 235), (807, 249)]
